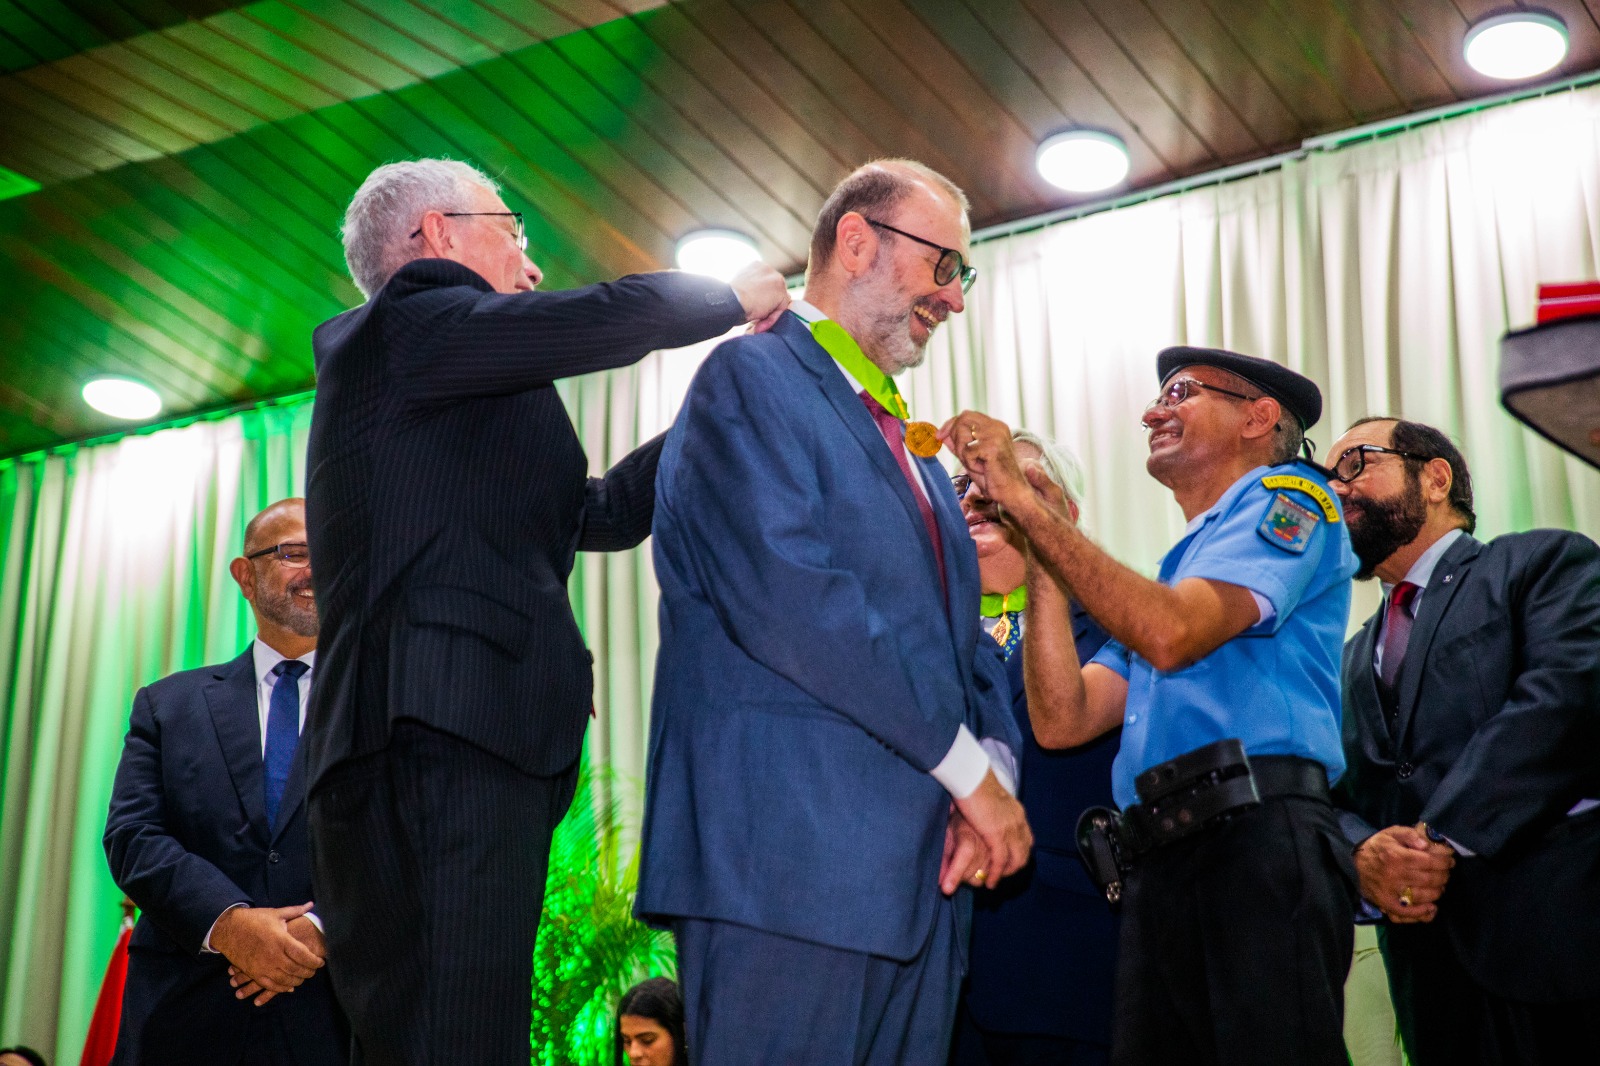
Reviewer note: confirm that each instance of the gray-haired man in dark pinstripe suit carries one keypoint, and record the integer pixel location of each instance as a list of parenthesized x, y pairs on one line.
[(446, 497)]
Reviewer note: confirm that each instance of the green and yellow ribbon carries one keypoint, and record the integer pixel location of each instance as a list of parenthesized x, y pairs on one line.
[(995, 604), (848, 354)]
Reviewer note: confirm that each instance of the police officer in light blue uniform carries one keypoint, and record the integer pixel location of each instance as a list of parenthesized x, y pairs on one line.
[(1237, 894), (1277, 532)]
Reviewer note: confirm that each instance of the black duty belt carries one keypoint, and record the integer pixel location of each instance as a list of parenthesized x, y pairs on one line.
[(1190, 794)]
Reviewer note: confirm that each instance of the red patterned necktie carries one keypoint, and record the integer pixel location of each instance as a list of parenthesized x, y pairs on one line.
[(1396, 633), (893, 431)]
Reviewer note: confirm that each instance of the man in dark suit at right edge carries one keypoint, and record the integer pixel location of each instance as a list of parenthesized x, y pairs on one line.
[(1472, 734), (446, 497)]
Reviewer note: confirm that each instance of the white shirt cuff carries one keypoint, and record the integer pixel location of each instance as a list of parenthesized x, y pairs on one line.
[(205, 945), (311, 916), (963, 766), (1003, 762)]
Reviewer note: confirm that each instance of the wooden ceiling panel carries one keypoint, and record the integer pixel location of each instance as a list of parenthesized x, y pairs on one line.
[(196, 156)]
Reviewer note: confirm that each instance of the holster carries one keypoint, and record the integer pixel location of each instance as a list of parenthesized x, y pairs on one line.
[(1177, 798)]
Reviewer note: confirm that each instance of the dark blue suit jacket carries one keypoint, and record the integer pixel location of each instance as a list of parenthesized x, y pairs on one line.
[(1044, 943), (810, 674), (1497, 736), (187, 836)]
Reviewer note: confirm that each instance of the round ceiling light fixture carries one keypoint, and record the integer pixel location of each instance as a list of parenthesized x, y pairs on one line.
[(720, 253), (132, 401), (1082, 160), (1516, 44)]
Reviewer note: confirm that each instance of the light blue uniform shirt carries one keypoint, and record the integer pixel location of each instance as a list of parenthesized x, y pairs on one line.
[(1276, 685)]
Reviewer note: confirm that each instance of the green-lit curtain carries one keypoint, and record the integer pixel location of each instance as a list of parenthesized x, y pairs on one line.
[(113, 573)]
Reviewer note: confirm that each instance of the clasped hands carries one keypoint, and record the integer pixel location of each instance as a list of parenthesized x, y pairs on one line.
[(270, 950), (987, 838), (1403, 873)]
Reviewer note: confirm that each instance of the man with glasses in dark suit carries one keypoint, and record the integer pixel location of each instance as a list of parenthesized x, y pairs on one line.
[(207, 834), (447, 496), (1471, 727)]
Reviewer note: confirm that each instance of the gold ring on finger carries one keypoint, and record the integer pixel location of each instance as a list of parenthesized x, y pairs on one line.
[(1405, 897)]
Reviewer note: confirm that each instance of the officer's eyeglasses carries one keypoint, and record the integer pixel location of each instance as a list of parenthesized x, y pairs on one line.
[(1184, 388), (293, 554), (950, 264), (961, 483), (1352, 461), (518, 233)]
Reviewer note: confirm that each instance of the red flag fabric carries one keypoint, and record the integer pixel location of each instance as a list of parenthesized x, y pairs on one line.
[(102, 1038)]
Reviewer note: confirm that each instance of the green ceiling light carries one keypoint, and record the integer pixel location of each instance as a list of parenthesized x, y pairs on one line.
[(124, 398), (13, 184), (1516, 44), (1082, 160), (721, 253)]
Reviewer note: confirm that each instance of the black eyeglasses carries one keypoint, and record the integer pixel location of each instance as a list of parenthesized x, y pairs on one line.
[(1352, 461), (291, 553), (1182, 389), (951, 264), (520, 235), (961, 483)]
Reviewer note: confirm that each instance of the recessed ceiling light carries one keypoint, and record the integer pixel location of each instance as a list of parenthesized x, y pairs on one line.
[(721, 253), (1516, 44), (1082, 160), (122, 398)]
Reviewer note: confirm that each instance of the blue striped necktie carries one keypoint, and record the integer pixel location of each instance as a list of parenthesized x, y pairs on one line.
[(283, 731)]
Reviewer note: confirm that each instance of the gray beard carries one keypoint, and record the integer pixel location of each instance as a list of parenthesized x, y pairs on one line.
[(288, 612)]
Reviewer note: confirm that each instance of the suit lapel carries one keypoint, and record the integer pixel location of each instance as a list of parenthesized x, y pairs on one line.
[(859, 421), (960, 559), (1447, 578), (231, 697), (1361, 688)]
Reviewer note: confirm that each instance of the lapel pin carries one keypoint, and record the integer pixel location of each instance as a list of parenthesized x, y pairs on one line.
[(1447, 578)]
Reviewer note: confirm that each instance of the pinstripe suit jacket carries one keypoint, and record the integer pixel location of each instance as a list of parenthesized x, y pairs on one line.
[(447, 494)]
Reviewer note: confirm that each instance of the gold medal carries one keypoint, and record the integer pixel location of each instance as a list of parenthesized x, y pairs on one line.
[(923, 439)]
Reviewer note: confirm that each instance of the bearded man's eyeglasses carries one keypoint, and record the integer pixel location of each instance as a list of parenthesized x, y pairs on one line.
[(951, 263), (518, 234), (1352, 461), (291, 553)]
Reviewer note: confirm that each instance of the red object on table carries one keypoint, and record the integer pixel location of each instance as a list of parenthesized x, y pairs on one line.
[(102, 1038), (1568, 300)]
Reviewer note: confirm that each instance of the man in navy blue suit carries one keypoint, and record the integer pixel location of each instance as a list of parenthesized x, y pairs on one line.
[(1044, 944), (207, 834), (831, 753)]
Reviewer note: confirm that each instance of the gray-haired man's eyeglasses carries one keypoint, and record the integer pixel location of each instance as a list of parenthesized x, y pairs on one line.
[(519, 235)]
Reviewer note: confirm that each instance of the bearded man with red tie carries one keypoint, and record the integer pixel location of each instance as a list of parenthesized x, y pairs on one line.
[(1471, 726)]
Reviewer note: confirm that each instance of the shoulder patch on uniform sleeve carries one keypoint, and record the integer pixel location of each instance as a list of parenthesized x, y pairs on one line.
[(1287, 525), (1307, 486)]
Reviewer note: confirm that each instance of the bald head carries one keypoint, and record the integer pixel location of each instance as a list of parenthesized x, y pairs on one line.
[(260, 531)]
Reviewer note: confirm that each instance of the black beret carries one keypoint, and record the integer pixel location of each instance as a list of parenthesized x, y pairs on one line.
[(1297, 393)]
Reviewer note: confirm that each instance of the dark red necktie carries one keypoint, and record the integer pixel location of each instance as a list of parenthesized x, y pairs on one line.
[(893, 431), (1396, 633)]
